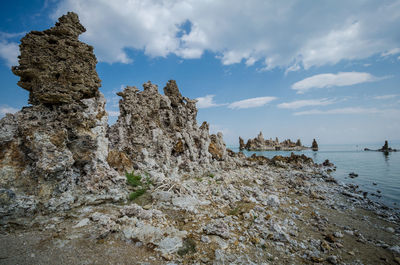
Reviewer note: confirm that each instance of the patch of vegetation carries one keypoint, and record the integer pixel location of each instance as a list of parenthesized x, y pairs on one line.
[(211, 175), (133, 180), (136, 181), (189, 246)]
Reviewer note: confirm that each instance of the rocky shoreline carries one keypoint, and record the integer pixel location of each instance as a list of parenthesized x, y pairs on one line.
[(65, 196)]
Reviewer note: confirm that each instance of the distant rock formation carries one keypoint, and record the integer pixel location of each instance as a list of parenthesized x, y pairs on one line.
[(314, 145), (260, 144), (385, 148), (58, 145), (156, 131)]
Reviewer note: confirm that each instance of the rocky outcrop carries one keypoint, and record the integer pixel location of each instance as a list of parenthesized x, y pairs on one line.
[(260, 144), (241, 143), (160, 132), (314, 145), (385, 148), (57, 146)]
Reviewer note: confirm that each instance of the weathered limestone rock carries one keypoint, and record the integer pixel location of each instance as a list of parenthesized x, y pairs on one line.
[(241, 143), (55, 67), (260, 144), (160, 132), (58, 144), (314, 145), (217, 147)]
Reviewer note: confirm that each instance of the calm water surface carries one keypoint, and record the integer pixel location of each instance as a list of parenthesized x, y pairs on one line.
[(371, 167)]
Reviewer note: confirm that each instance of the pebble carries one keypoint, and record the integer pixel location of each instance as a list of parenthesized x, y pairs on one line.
[(338, 234), (390, 229), (147, 207), (205, 239), (332, 259)]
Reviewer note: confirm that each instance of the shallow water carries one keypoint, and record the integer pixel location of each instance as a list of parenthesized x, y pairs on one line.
[(371, 167)]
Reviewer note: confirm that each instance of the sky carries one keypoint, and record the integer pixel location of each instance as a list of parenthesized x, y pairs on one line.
[(294, 69)]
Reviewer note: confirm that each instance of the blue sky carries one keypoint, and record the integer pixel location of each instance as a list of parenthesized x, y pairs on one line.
[(328, 70)]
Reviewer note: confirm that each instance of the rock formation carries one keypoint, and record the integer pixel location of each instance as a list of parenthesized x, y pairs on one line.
[(314, 145), (160, 132), (385, 148), (58, 144), (259, 144), (241, 143)]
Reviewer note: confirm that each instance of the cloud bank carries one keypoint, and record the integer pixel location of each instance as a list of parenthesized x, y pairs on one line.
[(289, 34)]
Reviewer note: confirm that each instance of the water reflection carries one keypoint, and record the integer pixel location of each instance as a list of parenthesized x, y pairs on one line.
[(386, 156)]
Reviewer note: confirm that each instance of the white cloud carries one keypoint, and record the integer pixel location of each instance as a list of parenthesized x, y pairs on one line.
[(207, 102), (251, 103), (391, 52), (289, 34), (7, 109), (113, 113), (350, 110), (330, 80), (386, 96), (305, 103), (215, 128), (9, 52)]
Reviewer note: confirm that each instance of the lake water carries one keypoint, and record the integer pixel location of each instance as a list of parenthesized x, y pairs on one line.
[(371, 167)]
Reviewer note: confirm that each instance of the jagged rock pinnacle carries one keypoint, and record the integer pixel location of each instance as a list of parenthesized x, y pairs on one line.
[(55, 67)]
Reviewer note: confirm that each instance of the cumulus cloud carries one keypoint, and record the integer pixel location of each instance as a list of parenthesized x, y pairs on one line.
[(9, 52), (251, 103), (331, 80), (7, 109), (289, 34), (386, 96), (207, 102), (305, 103), (350, 110)]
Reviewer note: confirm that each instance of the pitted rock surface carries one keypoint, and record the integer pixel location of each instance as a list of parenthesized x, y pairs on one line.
[(160, 132), (55, 67), (58, 145)]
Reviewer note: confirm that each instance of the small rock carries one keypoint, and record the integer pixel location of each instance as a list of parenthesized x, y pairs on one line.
[(338, 234), (395, 249), (273, 200), (353, 175), (147, 207), (205, 239), (351, 253), (330, 238), (349, 232), (389, 229), (332, 259), (82, 222), (218, 227)]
